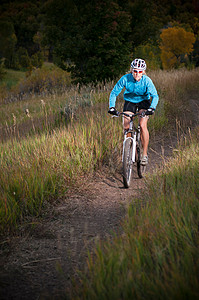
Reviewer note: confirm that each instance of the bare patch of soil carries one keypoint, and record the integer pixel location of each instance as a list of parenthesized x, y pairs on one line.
[(41, 263)]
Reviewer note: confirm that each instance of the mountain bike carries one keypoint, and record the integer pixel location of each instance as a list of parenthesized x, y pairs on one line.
[(132, 149)]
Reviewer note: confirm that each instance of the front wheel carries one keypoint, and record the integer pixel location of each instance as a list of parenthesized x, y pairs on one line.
[(140, 168), (127, 162)]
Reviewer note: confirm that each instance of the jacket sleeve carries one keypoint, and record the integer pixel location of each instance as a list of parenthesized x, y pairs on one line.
[(153, 94), (116, 91)]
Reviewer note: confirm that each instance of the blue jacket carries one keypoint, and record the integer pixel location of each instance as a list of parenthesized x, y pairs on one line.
[(135, 91)]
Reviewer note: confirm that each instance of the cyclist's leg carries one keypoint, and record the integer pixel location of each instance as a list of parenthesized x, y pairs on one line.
[(129, 108), (144, 134), (126, 120), (143, 106)]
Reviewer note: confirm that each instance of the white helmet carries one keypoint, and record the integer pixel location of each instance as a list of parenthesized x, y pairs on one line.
[(139, 64)]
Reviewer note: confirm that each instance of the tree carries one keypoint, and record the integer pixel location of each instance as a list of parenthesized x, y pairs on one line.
[(22, 59), (150, 53), (25, 18), (2, 70), (60, 28), (92, 35), (176, 43), (8, 41), (145, 24), (195, 53)]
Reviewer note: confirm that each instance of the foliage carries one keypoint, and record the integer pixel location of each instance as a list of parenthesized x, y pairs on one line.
[(196, 52), (2, 70), (96, 39), (37, 60), (151, 54), (176, 43), (11, 79), (8, 41), (42, 80), (39, 82), (100, 50), (25, 18), (22, 22), (22, 58), (145, 24)]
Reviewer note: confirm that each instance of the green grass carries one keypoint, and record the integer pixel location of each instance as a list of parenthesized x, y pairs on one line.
[(157, 255), (12, 78)]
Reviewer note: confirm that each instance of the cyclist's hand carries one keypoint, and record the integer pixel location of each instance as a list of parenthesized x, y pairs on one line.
[(150, 111), (113, 111)]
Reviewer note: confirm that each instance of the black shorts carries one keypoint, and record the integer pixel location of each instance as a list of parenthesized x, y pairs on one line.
[(130, 106)]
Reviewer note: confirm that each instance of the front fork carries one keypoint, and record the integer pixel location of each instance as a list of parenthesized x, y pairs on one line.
[(138, 143), (133, 148)]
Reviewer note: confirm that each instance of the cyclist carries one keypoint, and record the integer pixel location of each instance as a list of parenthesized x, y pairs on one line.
[(140, 93)]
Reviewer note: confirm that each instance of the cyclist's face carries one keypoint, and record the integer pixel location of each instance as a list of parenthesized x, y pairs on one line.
[(137, 74)]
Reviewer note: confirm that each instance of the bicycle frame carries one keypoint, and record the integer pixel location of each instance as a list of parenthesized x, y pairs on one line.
[(134, 132), (131, 149)]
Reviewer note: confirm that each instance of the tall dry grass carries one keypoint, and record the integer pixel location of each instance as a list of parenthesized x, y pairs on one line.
[(39, 114), (46, 156), (176, 88), (41, 168), (156, 257)]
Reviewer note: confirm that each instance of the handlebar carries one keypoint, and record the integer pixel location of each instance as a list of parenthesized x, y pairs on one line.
[(129, 115), (132, 115)]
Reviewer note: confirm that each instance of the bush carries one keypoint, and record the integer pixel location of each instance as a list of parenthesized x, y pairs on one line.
[(37, 60), (40, 82), (2, 70), (44, 81)]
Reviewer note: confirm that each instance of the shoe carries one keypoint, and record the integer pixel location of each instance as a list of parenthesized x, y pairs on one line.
[(144, 160)]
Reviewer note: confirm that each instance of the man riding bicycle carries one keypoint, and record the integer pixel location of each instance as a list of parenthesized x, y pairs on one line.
[(140, 94)]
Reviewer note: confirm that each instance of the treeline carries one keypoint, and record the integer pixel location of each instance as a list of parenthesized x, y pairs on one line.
[(96, 39)]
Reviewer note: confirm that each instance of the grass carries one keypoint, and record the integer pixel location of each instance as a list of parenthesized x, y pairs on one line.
[(174, 89), (157, 255), (42, 155), (12, 78), (39, 169), (40, 113), (61, 103)]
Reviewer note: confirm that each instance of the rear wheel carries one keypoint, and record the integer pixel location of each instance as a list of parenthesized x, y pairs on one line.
[(127, 162), (140, 168)]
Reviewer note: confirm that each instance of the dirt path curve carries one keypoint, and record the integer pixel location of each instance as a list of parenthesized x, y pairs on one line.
[(40, 264)]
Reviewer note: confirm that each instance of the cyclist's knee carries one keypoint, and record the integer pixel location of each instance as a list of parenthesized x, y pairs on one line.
[(143, 124)]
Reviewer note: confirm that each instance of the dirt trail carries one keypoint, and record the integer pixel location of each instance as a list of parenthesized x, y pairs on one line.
[(40, 264)]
